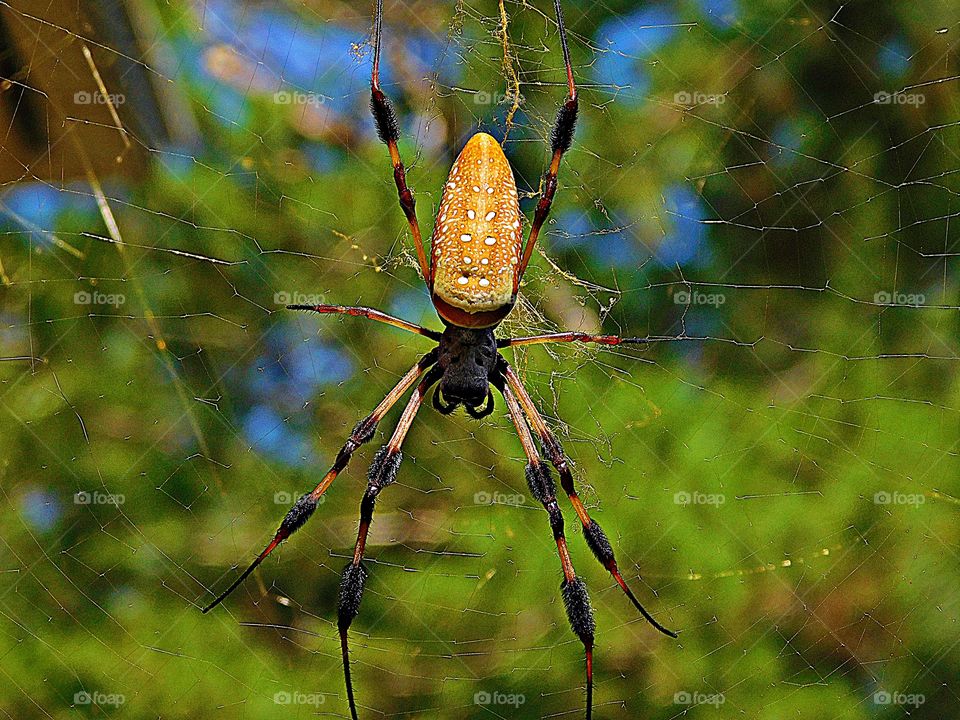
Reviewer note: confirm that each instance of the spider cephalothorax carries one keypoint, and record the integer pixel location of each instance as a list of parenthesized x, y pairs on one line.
[(477, 259), (468, 360)]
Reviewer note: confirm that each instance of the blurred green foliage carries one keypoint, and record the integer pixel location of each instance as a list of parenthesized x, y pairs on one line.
[(811, 420)]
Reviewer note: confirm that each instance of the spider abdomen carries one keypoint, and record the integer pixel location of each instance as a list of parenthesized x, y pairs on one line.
[(476, 246)]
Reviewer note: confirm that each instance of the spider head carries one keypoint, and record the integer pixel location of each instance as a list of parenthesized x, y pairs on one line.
[(468, 358)]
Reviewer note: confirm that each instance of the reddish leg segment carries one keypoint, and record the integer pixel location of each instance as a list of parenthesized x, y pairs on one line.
[(561, 139), (574, 590), (569, 337), (370, 314), (383, 472), (305, 506), (592, 533), (388, 128)]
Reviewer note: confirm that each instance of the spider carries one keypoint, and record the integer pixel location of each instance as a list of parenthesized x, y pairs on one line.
[(477, 259)]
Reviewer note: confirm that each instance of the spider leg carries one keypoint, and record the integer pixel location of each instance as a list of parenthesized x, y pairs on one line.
[(383, 472), (561, 139), (570, 337), (304, 507), (592, 533), (370, 314), (574, 590), (388, 128)]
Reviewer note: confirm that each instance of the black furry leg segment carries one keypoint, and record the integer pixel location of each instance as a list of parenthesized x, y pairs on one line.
[(305, 506), (576, 600), (592, 533), (351, 590), (383, 472)]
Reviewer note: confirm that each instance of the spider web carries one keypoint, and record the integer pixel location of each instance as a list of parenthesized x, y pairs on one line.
[(765, 193)]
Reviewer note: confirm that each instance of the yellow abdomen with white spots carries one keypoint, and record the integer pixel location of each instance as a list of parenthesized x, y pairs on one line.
[(476, 246)]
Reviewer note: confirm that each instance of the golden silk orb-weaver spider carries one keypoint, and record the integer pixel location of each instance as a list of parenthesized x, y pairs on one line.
[(477, 258)]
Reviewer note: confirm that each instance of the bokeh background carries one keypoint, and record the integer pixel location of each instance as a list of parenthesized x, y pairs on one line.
[(767, 192)]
